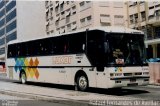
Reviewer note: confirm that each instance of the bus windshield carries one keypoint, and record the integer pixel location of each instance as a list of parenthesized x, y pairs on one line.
[(125, 49)]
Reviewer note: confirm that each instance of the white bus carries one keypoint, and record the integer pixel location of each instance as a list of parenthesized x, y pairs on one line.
[(106, 57)]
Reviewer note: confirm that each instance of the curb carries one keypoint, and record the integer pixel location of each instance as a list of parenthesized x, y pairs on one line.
[(53, 99)]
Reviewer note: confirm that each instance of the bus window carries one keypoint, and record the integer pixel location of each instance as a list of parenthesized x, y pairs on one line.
[(77, 43), (11, 51)]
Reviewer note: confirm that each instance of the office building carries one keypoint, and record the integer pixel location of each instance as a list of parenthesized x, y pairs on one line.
[(145, 16), (67, 16), (20, 20)]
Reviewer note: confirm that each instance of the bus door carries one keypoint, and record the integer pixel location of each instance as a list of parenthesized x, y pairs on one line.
[(95, 54)]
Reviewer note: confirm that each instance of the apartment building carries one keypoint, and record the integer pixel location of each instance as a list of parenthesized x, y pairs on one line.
[(20, 20), (145, 16), (66, 16)]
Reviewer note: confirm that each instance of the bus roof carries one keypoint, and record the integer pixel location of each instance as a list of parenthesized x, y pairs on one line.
[(111, 29)]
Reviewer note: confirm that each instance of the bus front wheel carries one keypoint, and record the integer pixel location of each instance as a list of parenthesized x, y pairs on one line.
[(23, 77), (82, 83)]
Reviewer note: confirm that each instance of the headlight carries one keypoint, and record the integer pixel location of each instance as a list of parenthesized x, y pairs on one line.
[(145, 73)]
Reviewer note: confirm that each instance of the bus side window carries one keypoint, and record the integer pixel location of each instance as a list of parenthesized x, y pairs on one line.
[(11, 51)]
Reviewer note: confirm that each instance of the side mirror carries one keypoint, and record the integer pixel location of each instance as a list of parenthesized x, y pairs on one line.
[(83, 47)]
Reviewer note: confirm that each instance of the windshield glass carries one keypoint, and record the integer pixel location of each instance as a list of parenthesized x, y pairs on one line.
[(127, 49)]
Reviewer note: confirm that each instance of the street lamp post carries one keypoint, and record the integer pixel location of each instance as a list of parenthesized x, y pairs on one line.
[(5, 33)]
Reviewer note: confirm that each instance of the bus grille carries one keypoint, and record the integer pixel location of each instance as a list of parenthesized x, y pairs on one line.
[(127, 74), (131, 74)]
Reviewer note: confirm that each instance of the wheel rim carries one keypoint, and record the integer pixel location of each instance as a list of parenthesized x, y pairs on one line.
[(82, 82), (23, 78)]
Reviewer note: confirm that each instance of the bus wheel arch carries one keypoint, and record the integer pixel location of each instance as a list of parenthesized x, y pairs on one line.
[(23, 77), (81, 80)]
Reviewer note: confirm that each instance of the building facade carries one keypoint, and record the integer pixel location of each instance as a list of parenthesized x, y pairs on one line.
[(20, 20), (145, 16), (66, 16)]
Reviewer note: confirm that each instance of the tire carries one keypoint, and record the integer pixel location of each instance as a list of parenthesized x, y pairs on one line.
[(82, 83), (23, 78)]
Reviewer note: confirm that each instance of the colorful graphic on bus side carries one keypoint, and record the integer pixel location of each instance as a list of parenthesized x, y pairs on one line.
[(28, 65)]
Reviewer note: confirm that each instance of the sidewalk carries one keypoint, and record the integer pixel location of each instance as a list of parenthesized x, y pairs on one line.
[(53, 94)]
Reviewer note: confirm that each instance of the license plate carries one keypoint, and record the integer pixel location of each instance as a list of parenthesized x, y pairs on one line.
[(132, 84), (133, 80)]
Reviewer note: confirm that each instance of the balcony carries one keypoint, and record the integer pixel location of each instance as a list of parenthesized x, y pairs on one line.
[(155, 21)]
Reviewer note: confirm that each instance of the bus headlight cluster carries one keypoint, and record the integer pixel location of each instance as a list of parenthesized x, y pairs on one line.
[(115, 74), (145, 73)]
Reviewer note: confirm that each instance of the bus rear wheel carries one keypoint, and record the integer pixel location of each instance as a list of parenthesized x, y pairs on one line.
[(23, 78), (82, 83)]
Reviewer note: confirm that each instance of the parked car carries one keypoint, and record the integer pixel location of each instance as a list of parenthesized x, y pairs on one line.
[(2, 67)]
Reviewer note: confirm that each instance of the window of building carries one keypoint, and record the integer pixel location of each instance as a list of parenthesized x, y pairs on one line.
[(2, 12), (68, 12), (119, 20), (136, 17), (11, 26), (1, 32), (105, 18), (52, 31), (151, 13), (56, 5), (61, 6), (62, 15), (151, 7), (2, 51), (88, 4), (72, 1), (118, 4), (89, 18), (157, 12), (46, 3), (57, 17), (143, 16), (131, 19), (2, 3), (74, 26), (69, 27), (156, 6), (51, 18), (81, 4), (2, 22), (47, 15), (51, 3), (51, 9), (73, 10), (67, 19), (82, 21), (85, 5), (58, 30), (57, 9), (11, 15), (130, 3), (47, 27), (62, 30), (10, 5), (11, 36), (67, 2), (2, 41), (104, 4), (134, 3), (57, 23), (141, 2)]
